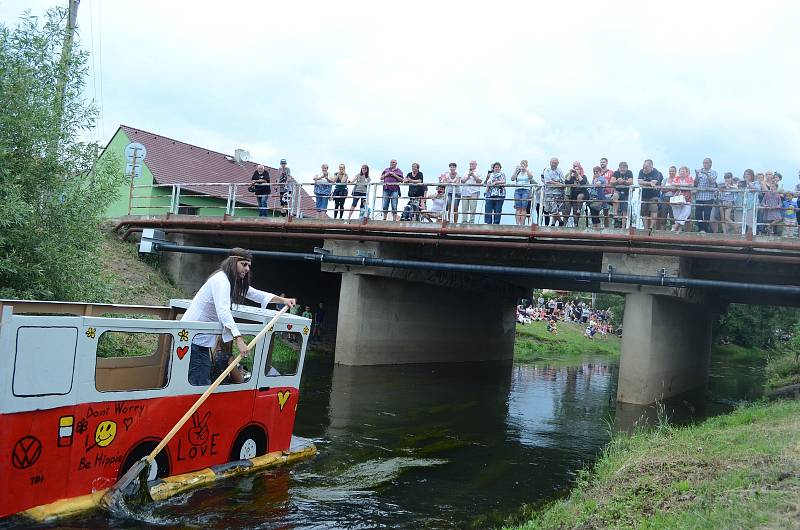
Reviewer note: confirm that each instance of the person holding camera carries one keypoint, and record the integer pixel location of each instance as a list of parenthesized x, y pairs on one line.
[(522, 194), (575, 193), (471, 187)]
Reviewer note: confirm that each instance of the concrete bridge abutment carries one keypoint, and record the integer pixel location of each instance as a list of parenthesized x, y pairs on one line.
[(390, 321), (665, 348), (391, 316)]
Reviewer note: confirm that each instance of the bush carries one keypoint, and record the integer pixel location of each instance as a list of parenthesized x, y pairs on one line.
[(51, 199)]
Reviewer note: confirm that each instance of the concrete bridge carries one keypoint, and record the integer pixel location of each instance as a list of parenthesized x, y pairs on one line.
[(451, 292)]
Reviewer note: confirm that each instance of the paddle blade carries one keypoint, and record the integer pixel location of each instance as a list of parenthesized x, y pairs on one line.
[(124, 487)]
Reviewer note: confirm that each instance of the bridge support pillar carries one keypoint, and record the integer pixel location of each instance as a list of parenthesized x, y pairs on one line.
[(665, 348), (384, 320)]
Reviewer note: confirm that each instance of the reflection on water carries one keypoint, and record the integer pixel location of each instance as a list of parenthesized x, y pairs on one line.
[(426, 446)]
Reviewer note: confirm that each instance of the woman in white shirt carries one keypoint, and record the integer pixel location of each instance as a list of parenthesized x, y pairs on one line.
[(229, 285)]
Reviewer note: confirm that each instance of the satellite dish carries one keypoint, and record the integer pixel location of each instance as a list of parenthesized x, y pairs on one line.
[(240, 155)]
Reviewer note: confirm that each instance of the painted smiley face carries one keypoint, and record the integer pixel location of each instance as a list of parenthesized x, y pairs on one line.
[(105, 433)]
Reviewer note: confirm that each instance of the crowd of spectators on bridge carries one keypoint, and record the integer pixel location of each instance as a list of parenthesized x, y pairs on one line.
[(683, 200), (597, 321)]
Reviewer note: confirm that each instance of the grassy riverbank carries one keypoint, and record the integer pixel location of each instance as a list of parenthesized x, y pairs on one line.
[(741, 470), (534, 342), (783, 367)]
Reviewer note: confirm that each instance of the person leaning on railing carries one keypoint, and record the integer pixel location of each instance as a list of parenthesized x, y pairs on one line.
[(664, 204), (391, 177), (339, 192), (260, 186), (575, 193), (649, 179), (621, 183), (752, 187), (417, 190), (681, 198), (495, 194), (727, 201), (361, 182), (322, 188), (596, 197)]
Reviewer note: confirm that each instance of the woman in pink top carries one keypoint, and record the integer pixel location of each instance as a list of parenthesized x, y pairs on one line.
[(681, 210)]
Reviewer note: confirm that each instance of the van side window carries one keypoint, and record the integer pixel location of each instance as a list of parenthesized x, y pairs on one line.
[(129, 360), (44, 360), (283, 356)]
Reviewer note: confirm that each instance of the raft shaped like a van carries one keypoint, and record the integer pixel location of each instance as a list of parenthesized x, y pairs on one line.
[(86, 390)]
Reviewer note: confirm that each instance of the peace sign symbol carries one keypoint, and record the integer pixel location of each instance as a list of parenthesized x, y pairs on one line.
[(26, 452)]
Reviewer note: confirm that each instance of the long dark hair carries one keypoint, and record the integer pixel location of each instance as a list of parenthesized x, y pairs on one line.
[(239, 286)]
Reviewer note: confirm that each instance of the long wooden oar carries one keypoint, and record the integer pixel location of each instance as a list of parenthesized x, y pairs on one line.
[(115, 491)]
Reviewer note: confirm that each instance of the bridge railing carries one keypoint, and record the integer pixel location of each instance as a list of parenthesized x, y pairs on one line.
[(740, 211)]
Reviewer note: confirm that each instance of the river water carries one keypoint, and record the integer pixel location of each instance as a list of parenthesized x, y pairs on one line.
[(430, 446)]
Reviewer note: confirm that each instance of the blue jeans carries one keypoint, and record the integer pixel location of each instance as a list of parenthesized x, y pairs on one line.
[(390, 197), (322, 202), (262, 205), (200, 365), (493, 208)]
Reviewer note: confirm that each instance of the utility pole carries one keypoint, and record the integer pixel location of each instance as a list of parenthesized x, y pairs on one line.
[(63, 68)]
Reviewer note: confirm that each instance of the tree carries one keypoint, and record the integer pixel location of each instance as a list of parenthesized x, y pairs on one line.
[(51, 200), (752, 325)]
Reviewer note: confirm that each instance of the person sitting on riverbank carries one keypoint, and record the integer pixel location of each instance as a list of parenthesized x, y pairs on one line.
[(552, 326)]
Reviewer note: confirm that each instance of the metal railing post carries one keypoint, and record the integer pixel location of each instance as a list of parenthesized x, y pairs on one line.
[(228, 201), (452, 208), (540, 207), (177, 203), (172, 199), (744, 212), (629, 208), (374, 198), (233, 199)]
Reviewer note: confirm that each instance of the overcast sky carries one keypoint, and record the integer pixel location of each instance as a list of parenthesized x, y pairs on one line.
[(359, 82)]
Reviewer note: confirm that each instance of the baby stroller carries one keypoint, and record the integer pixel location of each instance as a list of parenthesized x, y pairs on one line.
[(412, 211)]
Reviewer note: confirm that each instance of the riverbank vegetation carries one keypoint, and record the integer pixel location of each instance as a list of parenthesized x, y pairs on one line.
[(52, 195), (533, 342), (783, 364), (741, 470)]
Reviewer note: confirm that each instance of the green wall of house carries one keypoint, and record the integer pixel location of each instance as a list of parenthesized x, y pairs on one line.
[(156, 200)]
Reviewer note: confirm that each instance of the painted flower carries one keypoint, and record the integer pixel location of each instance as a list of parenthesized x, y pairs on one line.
[(183, 335), (90, 333), (305, 330)]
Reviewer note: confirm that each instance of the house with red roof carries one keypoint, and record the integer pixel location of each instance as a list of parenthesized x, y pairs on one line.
[(178, 177)]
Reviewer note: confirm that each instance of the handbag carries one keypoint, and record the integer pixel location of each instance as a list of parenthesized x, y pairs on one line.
[(251, 189)]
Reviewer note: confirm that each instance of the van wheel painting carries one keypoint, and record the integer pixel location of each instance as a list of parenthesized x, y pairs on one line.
[(250, 443), (159, 468)]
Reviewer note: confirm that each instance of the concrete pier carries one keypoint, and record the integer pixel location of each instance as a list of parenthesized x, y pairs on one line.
[(385, 320), (665, 348)]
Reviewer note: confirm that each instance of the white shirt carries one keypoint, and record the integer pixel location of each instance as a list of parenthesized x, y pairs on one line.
[(212, 303), (471, 187)]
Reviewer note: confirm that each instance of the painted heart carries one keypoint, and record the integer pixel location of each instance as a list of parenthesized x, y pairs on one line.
[(288, 327), (182, 351), (283, 397), (128, 422)]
